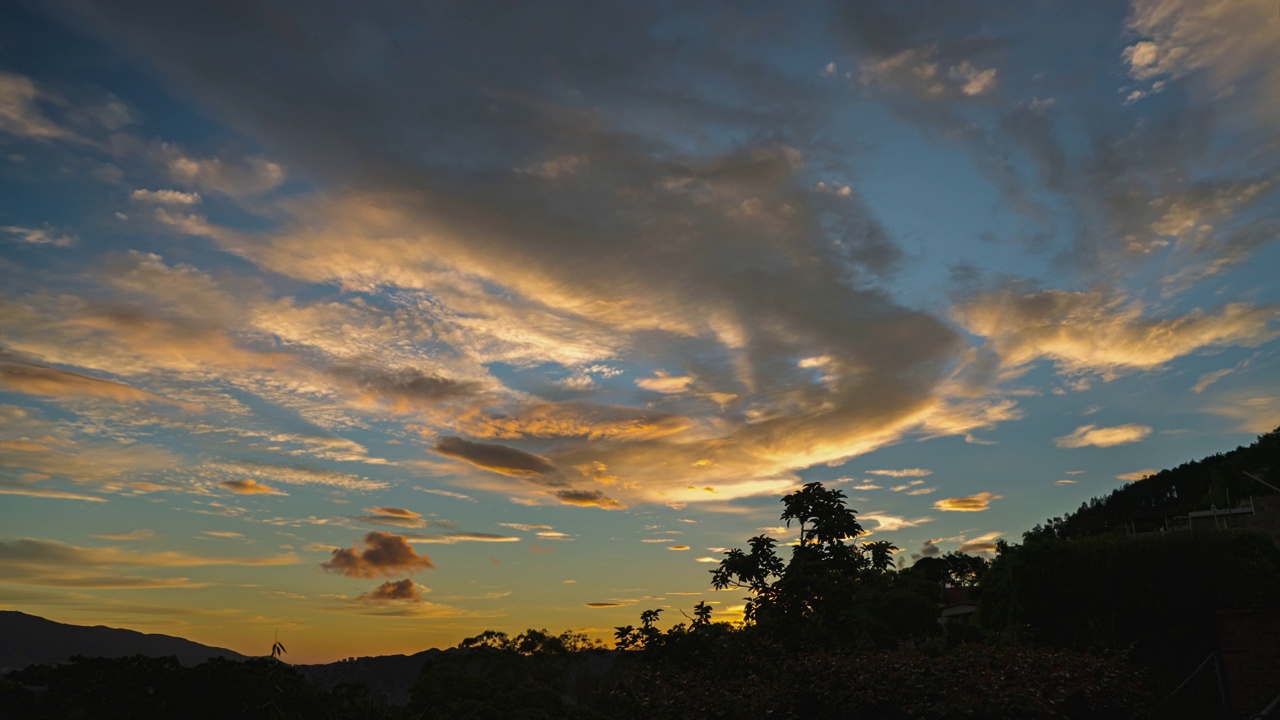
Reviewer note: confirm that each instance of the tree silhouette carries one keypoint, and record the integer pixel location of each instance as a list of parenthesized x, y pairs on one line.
[(832, 590)]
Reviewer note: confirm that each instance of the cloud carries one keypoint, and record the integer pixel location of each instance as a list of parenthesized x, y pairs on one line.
[(527, 527), (449, 538), (661, 382), (20, 112), (404, 590), (249, 486), (588, 498), (678, 547), (1090, 332), (33, 491), (928, 549), (1209, 378), (1137, 475), (235, 176), (1065, 481), (599, 605), (972, 80), (905, 472), (968, 503), (1087, 435), (447, 493), (55, 564), (404, 390), (132, 535), (36, 379), (494, 457), (166, 197), (39, 236), (294, 475), (1253, 413), (980, 544), (382, 554), (394, 516), (580, 420), (888, 523), (1226, 46)]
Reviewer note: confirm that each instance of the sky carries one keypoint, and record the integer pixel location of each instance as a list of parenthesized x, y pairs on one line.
[(377, 325)]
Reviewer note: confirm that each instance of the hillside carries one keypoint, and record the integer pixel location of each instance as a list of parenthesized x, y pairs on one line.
[(1218, 480), (27, 640)]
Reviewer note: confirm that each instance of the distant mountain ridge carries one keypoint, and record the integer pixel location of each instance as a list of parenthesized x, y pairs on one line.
[(32, 640)]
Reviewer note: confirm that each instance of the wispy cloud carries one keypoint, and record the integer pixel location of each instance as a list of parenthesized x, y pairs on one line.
[(1088, 435)]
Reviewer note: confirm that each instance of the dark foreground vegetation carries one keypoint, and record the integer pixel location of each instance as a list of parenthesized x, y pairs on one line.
[(1069, 624)]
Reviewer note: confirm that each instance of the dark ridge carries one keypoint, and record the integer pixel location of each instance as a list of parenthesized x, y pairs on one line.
[(31, 640)]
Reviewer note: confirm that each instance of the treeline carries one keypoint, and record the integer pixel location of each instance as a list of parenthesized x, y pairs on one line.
[(1219, 480), (1067, 627)]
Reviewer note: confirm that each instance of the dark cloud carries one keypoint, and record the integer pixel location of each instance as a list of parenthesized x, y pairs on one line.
[(383, 554), (928, 549), (34, 379), (491, 456), (404, 388), (588, 498), (394, 590), (598, 605)]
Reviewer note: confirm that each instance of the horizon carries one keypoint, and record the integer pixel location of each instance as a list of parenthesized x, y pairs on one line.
[(385, 328)]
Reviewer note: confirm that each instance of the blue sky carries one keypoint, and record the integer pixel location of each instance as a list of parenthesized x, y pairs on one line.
[(540, 307)]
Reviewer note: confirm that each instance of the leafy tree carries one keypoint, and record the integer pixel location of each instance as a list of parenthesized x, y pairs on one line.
[(832, 590)]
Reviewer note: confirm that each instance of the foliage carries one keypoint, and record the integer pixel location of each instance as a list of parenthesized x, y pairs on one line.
[(1154, 596), (533, 642), (143, 687), (489, 683), (976, 683), (832, 591)]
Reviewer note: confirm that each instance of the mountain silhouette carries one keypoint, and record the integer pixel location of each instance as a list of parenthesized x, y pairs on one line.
[(29, 640)]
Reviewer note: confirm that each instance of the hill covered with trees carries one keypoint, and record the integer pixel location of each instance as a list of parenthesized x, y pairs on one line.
[(1219, 480)]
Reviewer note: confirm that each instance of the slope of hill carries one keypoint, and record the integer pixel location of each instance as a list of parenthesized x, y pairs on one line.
[(1220, 480), (28, 639)]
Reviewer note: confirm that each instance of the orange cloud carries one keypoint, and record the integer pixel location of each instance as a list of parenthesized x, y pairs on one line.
[(968, 503), (383, 554), (1137, 475)]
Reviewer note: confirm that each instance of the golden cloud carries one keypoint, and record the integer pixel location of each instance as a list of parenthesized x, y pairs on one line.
[(1108, 335), (968, 503), (1087, 435)]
